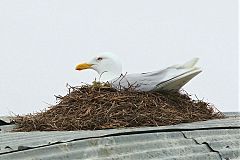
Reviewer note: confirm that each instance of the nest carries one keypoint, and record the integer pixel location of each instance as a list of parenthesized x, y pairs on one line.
[(99, 106)]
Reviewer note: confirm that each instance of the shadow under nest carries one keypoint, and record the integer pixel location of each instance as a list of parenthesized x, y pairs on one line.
[(99, 106)]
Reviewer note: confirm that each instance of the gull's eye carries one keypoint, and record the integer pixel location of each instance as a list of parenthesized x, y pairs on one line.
[(99, 58)]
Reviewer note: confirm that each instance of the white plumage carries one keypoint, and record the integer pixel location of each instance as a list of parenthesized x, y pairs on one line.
[(172, 78)]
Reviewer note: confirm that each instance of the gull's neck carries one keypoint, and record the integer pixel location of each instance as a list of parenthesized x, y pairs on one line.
[(108, 75)]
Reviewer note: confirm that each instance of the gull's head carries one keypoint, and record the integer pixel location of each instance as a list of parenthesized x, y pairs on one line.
[(106, 64)]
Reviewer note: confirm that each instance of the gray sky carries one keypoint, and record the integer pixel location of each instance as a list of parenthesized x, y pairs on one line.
[(41, 41)]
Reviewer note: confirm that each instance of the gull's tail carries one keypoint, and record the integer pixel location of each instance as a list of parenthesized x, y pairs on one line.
[(182, 75), (179, 81)]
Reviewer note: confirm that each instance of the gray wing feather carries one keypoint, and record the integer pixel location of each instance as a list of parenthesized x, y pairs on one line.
[(171, 78)]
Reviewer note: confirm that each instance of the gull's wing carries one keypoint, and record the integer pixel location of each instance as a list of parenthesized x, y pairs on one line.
[(177, 82), (171, 78)]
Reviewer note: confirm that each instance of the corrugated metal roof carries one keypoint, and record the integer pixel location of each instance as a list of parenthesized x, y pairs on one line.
[(213, 139)]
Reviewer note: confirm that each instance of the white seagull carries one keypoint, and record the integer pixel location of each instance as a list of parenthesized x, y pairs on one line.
[(171, 78)]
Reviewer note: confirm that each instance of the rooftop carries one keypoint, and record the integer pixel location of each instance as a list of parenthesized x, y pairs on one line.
[(213, 139)]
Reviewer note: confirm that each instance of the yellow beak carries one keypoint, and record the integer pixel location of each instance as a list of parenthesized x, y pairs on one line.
[(83, 66)]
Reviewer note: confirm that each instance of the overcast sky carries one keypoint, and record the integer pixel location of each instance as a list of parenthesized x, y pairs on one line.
[(41, 41)]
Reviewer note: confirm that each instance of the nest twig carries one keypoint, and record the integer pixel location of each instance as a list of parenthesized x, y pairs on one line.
[(99, 106)]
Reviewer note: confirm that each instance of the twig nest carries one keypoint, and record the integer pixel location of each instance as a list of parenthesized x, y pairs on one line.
[(99, 106)]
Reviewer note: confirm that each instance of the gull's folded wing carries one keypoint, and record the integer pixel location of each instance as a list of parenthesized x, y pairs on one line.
[(181, 78), (170, 79), (174, 84)]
